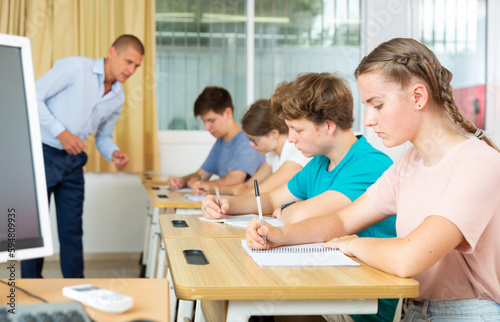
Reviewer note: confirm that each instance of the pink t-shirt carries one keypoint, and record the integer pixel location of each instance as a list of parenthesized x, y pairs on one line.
[(463, 187)]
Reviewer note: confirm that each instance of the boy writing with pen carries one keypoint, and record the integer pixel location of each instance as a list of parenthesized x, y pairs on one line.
[(232, 158), (318, 109)]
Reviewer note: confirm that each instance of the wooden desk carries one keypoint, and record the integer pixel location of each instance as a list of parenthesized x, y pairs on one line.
[(233, 280), (173, 199), (154, 178), (150, 296), (197, 228), (162, 200), (153, 249)]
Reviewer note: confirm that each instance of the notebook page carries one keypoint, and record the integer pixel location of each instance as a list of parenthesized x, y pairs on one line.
[(246, 217), (243, 222), (304, 255), (195, 198), (183, 190), (200, 198), (188, 211)]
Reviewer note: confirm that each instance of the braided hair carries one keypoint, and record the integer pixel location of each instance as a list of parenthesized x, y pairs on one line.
[(400, 59)]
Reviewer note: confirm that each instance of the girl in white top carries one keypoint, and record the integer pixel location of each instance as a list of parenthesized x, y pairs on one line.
[(268, 134), (288, 153), (444, 191)]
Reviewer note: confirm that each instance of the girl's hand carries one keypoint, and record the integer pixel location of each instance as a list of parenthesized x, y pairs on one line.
[(342, 243)]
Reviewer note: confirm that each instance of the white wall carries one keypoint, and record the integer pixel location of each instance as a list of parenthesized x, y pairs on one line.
[(114, 214), (493, 74), (183, 152), (115, 203), (385, 20)]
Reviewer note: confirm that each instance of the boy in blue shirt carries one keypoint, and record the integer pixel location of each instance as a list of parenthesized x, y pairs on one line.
[(318, 109), (231, 158)]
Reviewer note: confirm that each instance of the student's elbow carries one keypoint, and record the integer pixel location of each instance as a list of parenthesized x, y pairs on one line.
[(401, 271), (406, 266)]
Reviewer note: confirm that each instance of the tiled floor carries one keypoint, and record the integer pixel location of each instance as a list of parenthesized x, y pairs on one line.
[(114, 266)]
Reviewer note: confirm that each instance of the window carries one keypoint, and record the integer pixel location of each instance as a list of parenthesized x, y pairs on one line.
[(319, 36), (201, 43), (456, 31)]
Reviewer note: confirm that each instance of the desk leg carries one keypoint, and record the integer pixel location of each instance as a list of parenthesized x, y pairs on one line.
[(240, 311), (153, 244), (160, 269), (185, 310), (173, 298), (210, 310), (147, 228), (198, 313), (152, 255)]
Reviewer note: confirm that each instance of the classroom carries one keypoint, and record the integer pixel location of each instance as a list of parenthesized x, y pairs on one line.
[(142, 238)]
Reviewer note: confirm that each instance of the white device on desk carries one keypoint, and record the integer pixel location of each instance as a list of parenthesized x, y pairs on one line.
[(99, 298)]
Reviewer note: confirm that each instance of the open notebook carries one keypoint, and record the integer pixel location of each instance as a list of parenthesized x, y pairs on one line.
[(200, 198), (184, 190), (243, 220), (188, 211), (299, 256), (181, 190)]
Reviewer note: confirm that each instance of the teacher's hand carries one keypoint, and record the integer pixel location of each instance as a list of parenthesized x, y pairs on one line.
[(71, 143)]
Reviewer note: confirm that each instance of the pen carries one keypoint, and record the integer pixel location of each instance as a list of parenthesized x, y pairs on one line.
[(259, 207), (202, 175), (218, 195)]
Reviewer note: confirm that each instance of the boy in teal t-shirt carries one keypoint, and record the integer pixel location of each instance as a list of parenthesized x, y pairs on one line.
[(318, 111), (361, 167), (358, 170)]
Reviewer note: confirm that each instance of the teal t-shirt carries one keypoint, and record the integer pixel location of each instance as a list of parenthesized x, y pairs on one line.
[(358, 170)]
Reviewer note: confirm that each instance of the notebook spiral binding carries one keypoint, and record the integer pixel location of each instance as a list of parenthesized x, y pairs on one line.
[(295, 250), (238, 219)]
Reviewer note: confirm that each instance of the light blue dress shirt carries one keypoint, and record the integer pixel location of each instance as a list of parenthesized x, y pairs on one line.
[(70, 97)]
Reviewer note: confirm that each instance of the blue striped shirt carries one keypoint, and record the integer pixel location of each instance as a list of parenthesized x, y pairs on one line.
[(70, 97)]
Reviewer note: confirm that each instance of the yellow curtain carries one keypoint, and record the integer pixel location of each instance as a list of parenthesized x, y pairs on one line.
[(62, 28)]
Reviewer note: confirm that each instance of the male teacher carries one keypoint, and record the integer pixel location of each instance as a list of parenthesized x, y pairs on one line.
[(79, 96)]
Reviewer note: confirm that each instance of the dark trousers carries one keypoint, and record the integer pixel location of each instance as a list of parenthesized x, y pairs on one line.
[(64, 175)]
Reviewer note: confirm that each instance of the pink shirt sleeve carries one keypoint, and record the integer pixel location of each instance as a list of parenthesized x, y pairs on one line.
[(471, 199), (462, 186)]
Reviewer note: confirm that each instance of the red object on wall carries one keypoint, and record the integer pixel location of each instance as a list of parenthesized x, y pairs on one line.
[(471, 101)]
